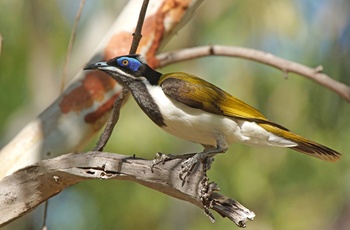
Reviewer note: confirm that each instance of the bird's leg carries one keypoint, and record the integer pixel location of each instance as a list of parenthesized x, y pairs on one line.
[(209, 151)]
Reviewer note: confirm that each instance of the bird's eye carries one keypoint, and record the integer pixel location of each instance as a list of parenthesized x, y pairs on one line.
[(125, 62), (128, 63)]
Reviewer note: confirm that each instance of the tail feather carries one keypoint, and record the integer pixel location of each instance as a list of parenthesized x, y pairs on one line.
[(316, 150), (304, 145)]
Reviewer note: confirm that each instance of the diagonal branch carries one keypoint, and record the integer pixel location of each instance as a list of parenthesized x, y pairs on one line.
[(122, 98), (286, 66), (137, 34), (112, 121), (81, 111), (25, 189)]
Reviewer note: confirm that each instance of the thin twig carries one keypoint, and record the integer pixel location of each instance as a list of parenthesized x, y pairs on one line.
[(113, 119), (64, 75), (137, 34), (70, 44), (44, 226), (284, 65)]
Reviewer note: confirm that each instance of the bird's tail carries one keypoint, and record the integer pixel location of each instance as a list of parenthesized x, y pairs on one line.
[(316, 150), (304, 145)]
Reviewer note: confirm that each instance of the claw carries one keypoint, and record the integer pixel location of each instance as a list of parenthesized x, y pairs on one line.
[(206, 157), (187, 167), (161, 158)]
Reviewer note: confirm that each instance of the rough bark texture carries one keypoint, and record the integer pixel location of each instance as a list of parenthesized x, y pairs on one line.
[(83, 108), (25, 189)]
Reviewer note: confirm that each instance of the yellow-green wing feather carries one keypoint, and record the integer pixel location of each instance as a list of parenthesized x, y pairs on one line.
[(198, 93)]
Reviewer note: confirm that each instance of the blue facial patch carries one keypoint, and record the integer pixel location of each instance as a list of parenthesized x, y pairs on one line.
[(131, 63)]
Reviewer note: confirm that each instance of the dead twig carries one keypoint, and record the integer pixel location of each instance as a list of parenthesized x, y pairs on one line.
[(137, 35), (113, 119)]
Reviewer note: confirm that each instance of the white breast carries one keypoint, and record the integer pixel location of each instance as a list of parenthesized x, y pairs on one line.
[(201, 127)]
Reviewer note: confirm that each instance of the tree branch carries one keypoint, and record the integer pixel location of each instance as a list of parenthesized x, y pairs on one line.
[(25, 189), (286, 66), (122, 98), (137, 34), (112, 121), (81, 111)]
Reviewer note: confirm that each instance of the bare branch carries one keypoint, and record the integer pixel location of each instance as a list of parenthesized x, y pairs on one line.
[(25, 189), (286, 66), (137, 34), (84, 107), (112, 121)]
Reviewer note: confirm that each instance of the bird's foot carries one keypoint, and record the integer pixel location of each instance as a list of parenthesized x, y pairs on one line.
[(189, 165), (161, 158)]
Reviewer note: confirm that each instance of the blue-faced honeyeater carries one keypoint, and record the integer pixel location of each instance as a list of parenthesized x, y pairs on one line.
[(195, 110)]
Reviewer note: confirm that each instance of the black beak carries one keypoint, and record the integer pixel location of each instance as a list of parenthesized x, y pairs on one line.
[(96, 65)]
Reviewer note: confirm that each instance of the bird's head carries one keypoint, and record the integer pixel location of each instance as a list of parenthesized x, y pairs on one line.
[(126, 69)]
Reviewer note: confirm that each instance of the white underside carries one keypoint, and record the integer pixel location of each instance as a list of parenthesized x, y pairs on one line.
[(208, 129)]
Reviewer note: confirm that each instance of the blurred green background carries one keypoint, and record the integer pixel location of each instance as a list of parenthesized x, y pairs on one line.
[(285, 189)]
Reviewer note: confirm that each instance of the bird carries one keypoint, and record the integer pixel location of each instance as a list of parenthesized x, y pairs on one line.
[(195, 110)]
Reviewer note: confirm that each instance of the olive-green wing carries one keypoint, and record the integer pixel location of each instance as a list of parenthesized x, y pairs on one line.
[(200, 94)]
